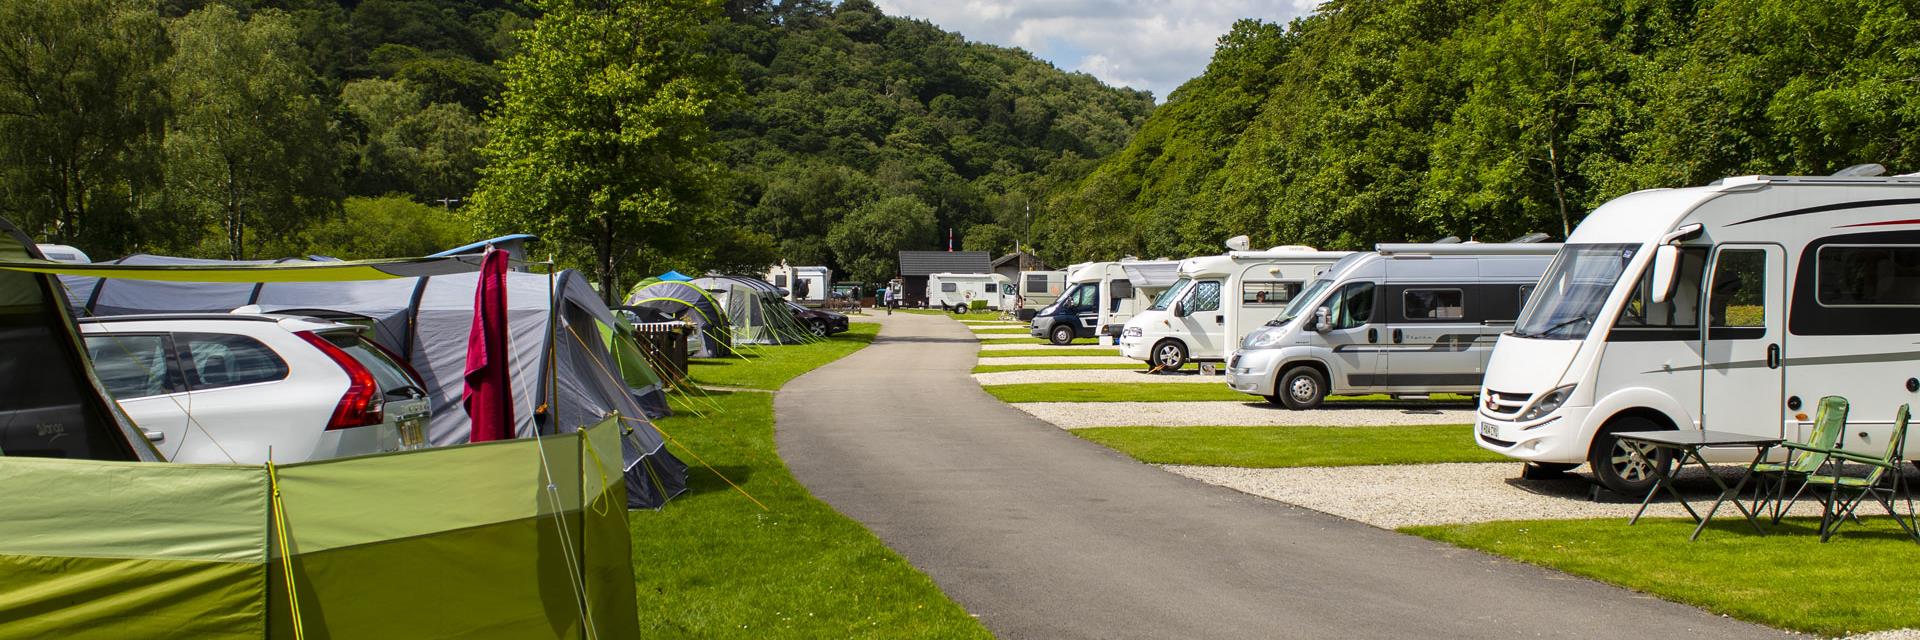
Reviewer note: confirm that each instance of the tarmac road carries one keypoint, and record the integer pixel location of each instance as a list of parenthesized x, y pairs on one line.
[(1044, 535)]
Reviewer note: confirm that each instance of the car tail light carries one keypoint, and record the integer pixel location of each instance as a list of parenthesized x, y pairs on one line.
[(360, 405)]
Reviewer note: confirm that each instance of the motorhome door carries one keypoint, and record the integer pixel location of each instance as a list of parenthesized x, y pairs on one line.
[(1352, 338), (1204, 323), (1083, 301), (1745, 350)]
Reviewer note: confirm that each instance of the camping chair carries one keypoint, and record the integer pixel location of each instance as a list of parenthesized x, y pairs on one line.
[(1770, 478), (1883, 482)]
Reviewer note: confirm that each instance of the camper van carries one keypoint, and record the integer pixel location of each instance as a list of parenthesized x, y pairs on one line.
[(956, 292), (1040, 288), (1100, 297), (1404, 319), (808, 286), (1216, 300), (1732, 307)]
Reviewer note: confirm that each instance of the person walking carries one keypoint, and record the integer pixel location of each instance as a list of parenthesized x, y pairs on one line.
[(894, 295)]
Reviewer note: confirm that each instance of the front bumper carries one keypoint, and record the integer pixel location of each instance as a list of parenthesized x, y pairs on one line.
[(1558, 437), (1136, 348), (1252, 371)]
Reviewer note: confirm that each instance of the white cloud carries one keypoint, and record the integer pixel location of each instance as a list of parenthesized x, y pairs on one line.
[(1144, 44)]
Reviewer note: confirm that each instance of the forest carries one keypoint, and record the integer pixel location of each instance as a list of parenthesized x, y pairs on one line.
[(701, 134)]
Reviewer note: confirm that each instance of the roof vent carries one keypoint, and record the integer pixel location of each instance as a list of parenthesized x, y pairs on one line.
[(1239, 243), (1531, 238), (1448, 240), (1867, 170)]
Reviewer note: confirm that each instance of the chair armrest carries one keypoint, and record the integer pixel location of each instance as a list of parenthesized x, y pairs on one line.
[(1809, 448), (1850, 456)]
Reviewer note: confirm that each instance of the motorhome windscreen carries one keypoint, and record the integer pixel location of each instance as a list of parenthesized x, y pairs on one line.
[(1300, 302), (1171, 294), (1573, 290)]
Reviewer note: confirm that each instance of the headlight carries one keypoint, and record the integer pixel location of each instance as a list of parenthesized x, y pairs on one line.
[(1547, 403), (1266, 338), (1131, 332)]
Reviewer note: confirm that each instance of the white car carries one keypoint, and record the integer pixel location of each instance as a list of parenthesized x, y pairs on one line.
[(209, 388)]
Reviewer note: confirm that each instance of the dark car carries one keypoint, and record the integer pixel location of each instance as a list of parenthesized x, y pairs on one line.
[(821, 323)]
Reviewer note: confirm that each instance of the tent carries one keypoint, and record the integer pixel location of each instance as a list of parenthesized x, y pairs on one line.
[(426, 319), (675, 276), (758, 311), (509, 539), (685, 301)]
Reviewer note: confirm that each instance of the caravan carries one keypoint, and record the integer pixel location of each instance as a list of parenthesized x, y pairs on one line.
[(1100, 297), (1404, 319), (958, 292), (1732, 307), (1217, 300), (1040, 288), (808, 286)]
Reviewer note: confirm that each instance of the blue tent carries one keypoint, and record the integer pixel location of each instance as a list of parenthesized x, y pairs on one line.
[(675, 276)]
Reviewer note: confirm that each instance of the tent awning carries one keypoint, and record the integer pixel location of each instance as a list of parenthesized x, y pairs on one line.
[(248, 273)]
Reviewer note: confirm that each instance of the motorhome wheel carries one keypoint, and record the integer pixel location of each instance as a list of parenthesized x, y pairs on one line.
[(1061, 334), (1617, 467), (1170, 355), (1301, 388)]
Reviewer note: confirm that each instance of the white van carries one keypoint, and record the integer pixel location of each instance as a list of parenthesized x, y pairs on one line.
[(1805, 286), (808, 286), (1403, 319), (956, 292), (1217, 300), (1100, 297), (1040, 288)]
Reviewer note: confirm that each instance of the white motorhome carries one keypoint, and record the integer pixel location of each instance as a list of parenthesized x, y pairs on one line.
[(1100, 297), (956, 292), (1217, 300), (1040, 288), (1403, 319), (808, 286), (1805, 287)]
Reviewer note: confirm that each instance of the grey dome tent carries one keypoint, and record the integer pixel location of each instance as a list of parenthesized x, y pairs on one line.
[(757, 310), (426, 320), (685, 301)]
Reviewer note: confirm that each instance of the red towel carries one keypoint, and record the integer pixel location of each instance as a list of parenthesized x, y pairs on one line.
[(488, 398)]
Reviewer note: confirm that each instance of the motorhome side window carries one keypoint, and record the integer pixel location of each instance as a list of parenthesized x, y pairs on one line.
[(1351, 306), (1206, 296), (1275, 294), (1737, 302), (1869, 276), (1084, 297), (948, 287), (1433, 304), (991, 286), (1036, 283), (1680, 311)]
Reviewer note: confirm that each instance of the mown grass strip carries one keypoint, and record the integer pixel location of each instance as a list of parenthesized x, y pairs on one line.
[(1162, 392), (1856, 583), (1002, 331), (1016, 353), (1038, 341), (711, 564), (1274, 447), (1052, 366)]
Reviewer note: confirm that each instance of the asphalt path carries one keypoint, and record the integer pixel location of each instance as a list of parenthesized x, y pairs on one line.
[(1043, 535)]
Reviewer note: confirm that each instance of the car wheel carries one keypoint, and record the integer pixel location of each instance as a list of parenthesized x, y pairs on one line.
[(1545, 470), (1301, 388), (1061, 334), (959, 310), (819, 328), (1169, 355), (1618, 467)]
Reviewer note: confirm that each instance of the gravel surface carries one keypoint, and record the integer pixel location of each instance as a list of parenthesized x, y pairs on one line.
[(1081, 415), (1075, 347), (1025, 360), (1093, 375), (1401, 495), (1896, 634)]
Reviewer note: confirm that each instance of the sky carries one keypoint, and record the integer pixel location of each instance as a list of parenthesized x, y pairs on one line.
[(1143, 44)]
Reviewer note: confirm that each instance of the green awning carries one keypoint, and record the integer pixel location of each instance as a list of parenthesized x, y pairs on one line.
[(298, 271)]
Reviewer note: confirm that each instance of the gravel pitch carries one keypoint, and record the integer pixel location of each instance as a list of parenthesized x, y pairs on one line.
[(1092, 375), (1082, 415), (1023, 347), (1027, 360), (1396, 496)]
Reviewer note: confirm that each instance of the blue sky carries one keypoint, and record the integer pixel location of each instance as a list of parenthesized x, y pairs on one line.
[(1143, 44)]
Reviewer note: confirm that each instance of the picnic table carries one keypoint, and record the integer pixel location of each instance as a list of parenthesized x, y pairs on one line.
[(1687, 444)]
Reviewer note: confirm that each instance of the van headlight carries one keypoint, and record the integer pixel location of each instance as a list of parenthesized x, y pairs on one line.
[(1548, 402), (1132, 332), (1266, 338)]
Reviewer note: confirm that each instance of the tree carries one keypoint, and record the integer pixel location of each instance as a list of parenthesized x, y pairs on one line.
[(250, 145), (421, 229), (600, 144), (81, 108), (868, 241)]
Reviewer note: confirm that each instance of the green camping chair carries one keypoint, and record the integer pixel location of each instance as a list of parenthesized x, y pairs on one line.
[(1883, 482), (1770, 478)]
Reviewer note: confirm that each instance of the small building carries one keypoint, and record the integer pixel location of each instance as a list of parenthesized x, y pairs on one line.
[(915, 266), (1012, 264)]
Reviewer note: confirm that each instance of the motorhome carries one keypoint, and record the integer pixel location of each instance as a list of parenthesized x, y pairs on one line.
[(1100, 298), (808, 286), (1403, 319), (1216, 300), (956, 292), (1732, 307), (1040, 288)]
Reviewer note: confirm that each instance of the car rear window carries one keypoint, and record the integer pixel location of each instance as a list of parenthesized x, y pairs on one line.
[(227, 360), (385, 371)]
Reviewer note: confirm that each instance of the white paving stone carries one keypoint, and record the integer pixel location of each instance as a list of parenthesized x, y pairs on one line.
[(1049, 347), (1116, 376), (1032, 360), (1082, 415)]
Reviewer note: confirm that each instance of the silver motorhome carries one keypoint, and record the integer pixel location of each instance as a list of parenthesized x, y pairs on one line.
[(1403, 319)]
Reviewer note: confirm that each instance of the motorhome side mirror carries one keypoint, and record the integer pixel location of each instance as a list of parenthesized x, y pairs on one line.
[(1666, 262), (1322, 320), (1180, 309)]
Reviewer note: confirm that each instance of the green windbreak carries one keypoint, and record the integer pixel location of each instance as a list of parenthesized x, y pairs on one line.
[(277, 272), (634, 368)]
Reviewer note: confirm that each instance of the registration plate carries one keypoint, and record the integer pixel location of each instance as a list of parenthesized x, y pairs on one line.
[(1489, 430), (413, 432)]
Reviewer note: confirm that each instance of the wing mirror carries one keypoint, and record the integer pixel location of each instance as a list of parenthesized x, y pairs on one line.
[(1322, 320), (1180, 309), (1666, 263)]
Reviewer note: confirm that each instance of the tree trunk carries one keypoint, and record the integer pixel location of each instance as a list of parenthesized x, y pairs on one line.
[(604, 260)]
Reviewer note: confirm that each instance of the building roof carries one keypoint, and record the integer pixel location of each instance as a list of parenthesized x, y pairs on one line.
[(920, 263), (1026, 261)]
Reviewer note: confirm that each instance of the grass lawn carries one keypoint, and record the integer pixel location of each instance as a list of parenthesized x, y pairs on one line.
[(1053, 366), (712, 564), (1857, 583), (1015, 353), (1001, 331), (1029, 340), (1150, 392), (1272, 447), (769, 366)]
